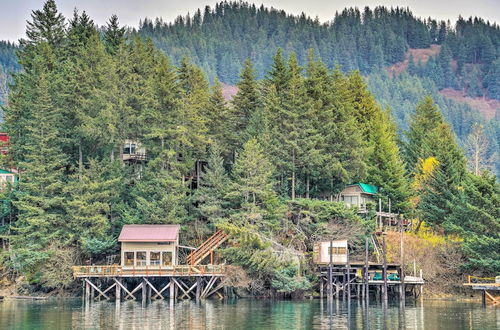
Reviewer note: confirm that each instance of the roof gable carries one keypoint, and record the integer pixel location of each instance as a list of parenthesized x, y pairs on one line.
[(149, 233), (366, 188)]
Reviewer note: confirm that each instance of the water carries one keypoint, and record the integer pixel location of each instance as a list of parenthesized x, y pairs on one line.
[(246, 314)]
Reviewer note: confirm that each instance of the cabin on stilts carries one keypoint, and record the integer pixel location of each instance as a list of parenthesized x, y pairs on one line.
[(150, 267), (342, 277), (360, 195)]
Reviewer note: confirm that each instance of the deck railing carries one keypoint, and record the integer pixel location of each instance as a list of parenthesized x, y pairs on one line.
[(476, 279), (178, 270)]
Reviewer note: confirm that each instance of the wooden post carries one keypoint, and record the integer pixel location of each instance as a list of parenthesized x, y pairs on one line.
[(144, 292), (321, 287), (199, 287), (92, 292), (384, 272), (348, 275), (483, 298), (172, 289), (402, 271), (118, 292), (421, 286), (87, 292), (330, 279), (367, 286)]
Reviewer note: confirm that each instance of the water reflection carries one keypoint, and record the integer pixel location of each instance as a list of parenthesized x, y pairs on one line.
[(247, 314)]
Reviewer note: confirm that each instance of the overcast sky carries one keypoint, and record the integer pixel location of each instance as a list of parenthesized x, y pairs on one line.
[(14, 13)]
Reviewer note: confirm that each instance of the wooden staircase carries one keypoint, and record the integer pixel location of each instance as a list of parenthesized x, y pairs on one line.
[(205, 249)]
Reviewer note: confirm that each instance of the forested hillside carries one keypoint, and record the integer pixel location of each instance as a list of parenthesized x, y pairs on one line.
[(220, 39), (276, 157), (8, 64)]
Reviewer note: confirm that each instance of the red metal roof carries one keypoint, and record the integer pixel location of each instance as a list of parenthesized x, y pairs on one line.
[(149, 233)]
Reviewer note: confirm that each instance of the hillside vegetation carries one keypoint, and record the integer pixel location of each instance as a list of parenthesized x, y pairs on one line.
[(276, 156)]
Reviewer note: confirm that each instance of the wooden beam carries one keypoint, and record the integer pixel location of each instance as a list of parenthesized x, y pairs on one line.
[(180, 287), (125, 289), (112, 286), (153, 288), (136, 289), (161, 291), (97, 289), (189, 290), (208, 287)]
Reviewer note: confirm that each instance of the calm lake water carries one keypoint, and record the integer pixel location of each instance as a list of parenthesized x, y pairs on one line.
[(246, 314)]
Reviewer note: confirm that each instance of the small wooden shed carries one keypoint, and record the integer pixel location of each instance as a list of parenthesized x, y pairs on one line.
[(151, 246), (336, 249)]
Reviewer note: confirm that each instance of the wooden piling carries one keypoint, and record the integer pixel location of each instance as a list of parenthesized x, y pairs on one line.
[(172, 289), (144, 291), (348, 276), (367, 285), (199, 287), (87, 292), (118, 292), (384, 272), (330, 275)]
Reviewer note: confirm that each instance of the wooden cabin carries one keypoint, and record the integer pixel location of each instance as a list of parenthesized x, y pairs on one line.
[(133, 151), (358, 195), (149, 246), (336, 249), (6, 178)]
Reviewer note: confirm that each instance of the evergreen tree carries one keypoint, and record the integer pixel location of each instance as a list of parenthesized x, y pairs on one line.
[(160, 195), (418, 144), (211, 196), (40, 200), (114, 36), (245, 103), (385, 167), (91, 195)]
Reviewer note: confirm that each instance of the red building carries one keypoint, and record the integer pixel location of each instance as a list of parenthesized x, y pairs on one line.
[(4, 143)]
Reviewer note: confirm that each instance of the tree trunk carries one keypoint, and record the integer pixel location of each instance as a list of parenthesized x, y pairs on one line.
[(80, 160), (307, 185), (293, 175)]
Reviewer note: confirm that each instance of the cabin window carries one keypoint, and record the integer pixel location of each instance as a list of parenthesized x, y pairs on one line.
[(154, 258), (167, 258), (337, 250), (141, 258), (129, 258), (129, 149), (350, 200)]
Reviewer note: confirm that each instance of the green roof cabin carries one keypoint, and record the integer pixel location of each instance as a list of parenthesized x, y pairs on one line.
[(6, 178), (358, 195)]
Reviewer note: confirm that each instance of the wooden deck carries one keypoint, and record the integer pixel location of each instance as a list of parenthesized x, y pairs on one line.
[(489, 290), (166, 271)]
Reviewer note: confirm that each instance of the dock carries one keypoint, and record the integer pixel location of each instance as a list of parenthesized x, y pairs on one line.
[(148, 283), (490, 291)]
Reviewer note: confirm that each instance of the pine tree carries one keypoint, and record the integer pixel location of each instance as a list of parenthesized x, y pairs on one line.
[(211, 196), (425, 120), (252, 189), (245, 103), (91, 195), (114, 36), (385, 166), (160, 195), (47, 25), (39, 200)]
